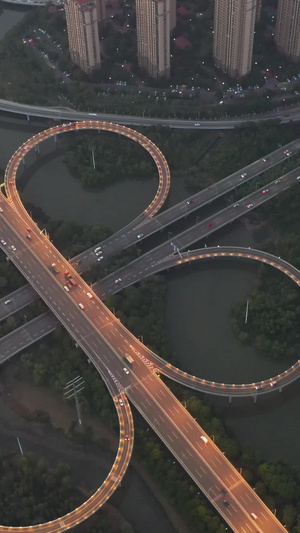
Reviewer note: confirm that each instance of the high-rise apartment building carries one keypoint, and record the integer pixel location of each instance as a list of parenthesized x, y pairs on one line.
[(287, 31), (82, 25), (258, 10), (153, 36), (172, 14), (234, 22)]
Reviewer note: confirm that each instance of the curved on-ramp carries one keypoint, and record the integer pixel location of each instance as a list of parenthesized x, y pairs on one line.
[(159, 159), (118, 469), (124, 452), (213, 387)]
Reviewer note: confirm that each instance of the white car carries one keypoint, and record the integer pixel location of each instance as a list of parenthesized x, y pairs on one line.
[(205, 440), (66, 288), (126, 370), (3, 242), (97, 249), (121, 401), (81, 306), (243, 175), (13, 248), (117, 281), (100, 258), (1, 210), (89, 294), (99, 252)]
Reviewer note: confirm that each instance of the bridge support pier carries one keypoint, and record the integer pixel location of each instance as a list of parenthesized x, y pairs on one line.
[(55, 139), (28, 118), (23, 161), (280, 389), (255, 398), (230, 399), (37, 150)]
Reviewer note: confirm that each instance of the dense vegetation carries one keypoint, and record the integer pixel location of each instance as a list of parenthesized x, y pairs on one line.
[(55, 362), (274, 310), (142, 309), (116, 159), (31, 493)]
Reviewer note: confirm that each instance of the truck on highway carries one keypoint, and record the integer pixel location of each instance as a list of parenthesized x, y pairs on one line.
[(54, 268), (129, 358), (69, 279)]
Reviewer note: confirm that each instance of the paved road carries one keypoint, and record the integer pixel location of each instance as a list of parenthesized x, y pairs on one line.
[(105, 341), (27, 334), (63, 113), (148, 224), (142, 267)]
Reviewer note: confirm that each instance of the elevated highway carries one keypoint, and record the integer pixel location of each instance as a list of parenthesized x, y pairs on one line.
[(105, 341), (63, 113), (139, 268), (149, 222), (30, 332)]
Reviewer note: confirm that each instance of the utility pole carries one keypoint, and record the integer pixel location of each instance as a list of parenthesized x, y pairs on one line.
[(247, 310), (72, 390), (93, 159)]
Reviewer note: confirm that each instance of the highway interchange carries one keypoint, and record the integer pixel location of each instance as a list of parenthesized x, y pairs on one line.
[(105, 341)]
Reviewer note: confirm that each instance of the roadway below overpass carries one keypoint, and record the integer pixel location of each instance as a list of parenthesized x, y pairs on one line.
[(41, 326), (146, 223), (142, 266), (64, 113), (106, 341)]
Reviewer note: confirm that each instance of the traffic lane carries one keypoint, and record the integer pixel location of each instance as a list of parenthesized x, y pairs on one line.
[(151, 225), (55, 285), (213, 456), (69, 114), (17, 340), (283, 183), (197, 458), (227, 184), (20, 338), (197, 383), (127, 239), (144, 264), (17, 300)]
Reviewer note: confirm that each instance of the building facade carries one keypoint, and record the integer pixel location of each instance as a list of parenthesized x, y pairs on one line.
[(173, 7), (258, 10), (82, 18), (153, 36), (234, 22), (287, 31)]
